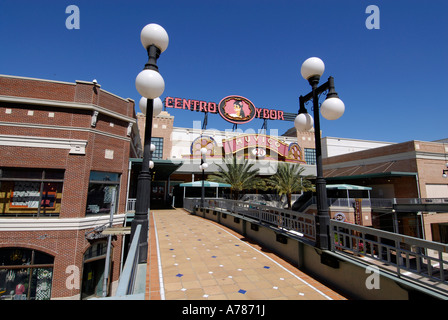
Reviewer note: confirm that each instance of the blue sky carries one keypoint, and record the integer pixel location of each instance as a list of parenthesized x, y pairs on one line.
[(393, 80)]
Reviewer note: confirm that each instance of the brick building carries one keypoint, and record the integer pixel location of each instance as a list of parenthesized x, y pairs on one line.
[(410, 176), (64, 156)]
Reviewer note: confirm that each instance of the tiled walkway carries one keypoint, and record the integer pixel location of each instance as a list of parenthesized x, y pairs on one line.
[(195, 259)]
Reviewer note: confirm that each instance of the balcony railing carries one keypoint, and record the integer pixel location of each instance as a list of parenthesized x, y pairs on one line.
[(417, 260), (297, 223)]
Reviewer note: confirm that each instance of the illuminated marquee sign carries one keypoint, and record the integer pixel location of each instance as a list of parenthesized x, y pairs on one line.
[(255, 141), (227, 108)]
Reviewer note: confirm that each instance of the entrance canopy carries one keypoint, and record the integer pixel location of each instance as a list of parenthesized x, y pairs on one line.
[(347, 187), (206, 184)]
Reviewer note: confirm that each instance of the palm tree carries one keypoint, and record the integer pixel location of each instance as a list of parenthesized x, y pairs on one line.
[(288, 179), (239, 174)]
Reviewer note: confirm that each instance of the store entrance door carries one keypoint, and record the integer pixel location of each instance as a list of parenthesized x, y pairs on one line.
[(93, 271), (92, 279)]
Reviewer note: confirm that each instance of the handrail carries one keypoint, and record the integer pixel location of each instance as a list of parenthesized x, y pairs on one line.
[(298, 223), (422, 261), (408, 257), (127, 278)]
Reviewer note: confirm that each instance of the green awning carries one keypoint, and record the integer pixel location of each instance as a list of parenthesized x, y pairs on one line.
[(347, 187)]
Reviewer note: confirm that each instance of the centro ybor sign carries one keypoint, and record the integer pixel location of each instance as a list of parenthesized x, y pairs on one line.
[(234, 109)]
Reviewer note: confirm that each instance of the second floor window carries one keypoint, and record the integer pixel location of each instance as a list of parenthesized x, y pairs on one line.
[(310, 156), (158, 142), (30, 192)]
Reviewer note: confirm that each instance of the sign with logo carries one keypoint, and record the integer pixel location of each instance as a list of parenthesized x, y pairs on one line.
[(258, 141), (236, 109), (339, 217)]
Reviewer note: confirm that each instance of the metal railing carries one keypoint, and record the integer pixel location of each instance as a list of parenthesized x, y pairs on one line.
[(300, 224), (342, 202), (131, 204), (421, 200), (424, 262), (127, 277), (416, 259)]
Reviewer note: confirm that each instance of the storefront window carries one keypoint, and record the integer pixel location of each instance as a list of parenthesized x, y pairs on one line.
[(25, 274), (30, 192), (103, 192)]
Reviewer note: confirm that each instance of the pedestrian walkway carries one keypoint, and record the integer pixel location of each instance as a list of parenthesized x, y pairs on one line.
[(192, 258)]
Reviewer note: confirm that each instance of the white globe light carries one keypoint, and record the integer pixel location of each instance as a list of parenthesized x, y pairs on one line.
[(332, 108), (203, 151), (157, 106), (156, 35), (152, 147), (204, 165), (151, 164), (303, 122), (150, 84), (312, 67)]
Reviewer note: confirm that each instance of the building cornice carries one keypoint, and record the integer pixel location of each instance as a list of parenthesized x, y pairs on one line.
[(57, 224), (54, 127), (75, 146), (65, 105), (410, 155)]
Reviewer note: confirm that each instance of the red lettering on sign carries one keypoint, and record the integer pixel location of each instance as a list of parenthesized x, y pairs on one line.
[(280, 115), (169, 102), (212, 107), (202, 106), (186, 104), (266, 113), (177, 103), (194, 104)]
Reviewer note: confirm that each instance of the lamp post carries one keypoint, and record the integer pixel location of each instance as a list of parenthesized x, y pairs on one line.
[(203, 166), (150, 85), (332, 108)]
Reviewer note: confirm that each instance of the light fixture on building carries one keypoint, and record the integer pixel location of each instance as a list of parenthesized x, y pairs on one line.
[(150, 84), (332, 108)]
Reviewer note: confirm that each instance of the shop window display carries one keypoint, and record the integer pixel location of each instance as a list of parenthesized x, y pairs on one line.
[(30, 192), (25, 274)]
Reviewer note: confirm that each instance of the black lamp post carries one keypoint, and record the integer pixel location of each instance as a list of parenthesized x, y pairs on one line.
[(203, 166), (150, 85), (332, 108)]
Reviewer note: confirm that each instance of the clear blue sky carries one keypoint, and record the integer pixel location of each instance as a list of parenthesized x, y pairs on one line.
[(393, 80)]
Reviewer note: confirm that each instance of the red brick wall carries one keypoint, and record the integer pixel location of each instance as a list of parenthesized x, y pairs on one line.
[(68, 247)]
